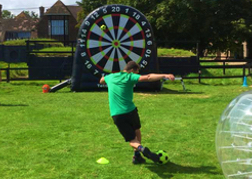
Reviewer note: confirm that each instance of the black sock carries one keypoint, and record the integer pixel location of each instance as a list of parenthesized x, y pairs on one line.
[(137, 153)]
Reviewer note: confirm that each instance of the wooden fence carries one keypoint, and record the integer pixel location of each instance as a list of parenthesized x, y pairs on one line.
[(224, 64)]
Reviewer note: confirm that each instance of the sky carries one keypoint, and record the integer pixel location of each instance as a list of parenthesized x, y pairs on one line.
[(17, 6)]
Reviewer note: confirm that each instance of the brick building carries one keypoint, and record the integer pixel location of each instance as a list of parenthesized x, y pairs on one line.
[(20, 27), (58, 22)]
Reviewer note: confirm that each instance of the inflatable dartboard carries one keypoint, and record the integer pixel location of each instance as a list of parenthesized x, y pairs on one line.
[(112, 35), (108, 38)]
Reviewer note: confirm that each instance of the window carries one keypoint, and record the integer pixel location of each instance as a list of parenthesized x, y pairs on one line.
[(17, 35), (56, 27), (24, 35)]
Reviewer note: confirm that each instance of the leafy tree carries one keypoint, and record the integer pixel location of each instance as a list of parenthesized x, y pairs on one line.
[(244, 26), (7, 15), (226, 16), (32, 14), (214, 24), (87, 7), (210, 22), (90, 5)]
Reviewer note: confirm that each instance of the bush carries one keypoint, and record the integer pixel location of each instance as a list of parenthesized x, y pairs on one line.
[(164, 52), (22, 42), (54, 49), (14, 73)]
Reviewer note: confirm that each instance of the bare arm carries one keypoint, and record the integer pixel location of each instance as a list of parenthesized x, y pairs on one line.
[(155, 77), (102, 81)]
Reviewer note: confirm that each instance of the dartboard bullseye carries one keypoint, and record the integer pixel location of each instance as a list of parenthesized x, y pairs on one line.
[(113, 35)]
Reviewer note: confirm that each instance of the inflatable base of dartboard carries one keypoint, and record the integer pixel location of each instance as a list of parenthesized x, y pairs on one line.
[(108, 38), (93, 86), (90, 82)]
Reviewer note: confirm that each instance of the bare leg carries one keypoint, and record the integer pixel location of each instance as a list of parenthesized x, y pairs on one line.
[(134, 143), (138, 135), (137, 141)]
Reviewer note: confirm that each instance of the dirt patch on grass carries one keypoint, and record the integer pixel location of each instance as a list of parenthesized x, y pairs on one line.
[(146, 94), (196, 96)]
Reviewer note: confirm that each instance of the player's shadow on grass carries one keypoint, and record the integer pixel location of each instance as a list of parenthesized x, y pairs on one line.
[(12, 105), (169, 91), (167, 170)]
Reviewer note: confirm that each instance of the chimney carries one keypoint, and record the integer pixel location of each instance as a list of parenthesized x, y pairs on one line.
[(1, 10), (41, 11)]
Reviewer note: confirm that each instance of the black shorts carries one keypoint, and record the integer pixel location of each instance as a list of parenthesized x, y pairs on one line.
[(127, 124)]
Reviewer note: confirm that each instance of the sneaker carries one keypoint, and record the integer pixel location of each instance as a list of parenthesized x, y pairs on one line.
[(138, 160), (154, 157)]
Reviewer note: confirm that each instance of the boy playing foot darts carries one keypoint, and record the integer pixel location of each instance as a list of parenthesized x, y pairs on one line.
[(123, 110)]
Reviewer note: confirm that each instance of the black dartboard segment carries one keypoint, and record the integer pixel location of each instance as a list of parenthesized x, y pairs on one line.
[(111, 36)]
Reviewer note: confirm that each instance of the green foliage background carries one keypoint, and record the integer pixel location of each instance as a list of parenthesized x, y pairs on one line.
[(216, 25)]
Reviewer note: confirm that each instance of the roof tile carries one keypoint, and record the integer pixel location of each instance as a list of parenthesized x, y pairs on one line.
[(58, 8)]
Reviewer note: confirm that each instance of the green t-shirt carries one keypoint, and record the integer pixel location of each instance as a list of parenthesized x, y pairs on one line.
[(120, 90)]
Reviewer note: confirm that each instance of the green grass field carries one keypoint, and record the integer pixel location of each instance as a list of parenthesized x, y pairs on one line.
[(62, 134)]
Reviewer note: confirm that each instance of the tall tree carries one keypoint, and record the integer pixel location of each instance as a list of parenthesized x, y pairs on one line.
[(214, 24), (244, 26), (7, 15), (90, 5), (207, 21), (32, 14), (87, 7)]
